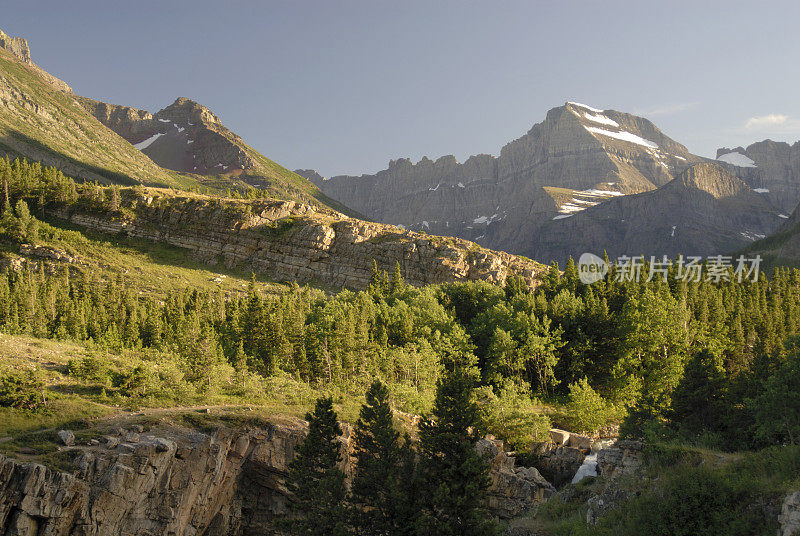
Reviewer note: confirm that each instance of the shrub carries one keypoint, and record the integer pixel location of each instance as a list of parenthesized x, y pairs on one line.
[(90, 369), (21, 390), (586, 410), (510, 412)]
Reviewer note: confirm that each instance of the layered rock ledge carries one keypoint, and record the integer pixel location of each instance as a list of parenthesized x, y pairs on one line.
[(291, 241)]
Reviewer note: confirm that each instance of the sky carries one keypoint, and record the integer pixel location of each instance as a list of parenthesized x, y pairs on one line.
[(343, 86)]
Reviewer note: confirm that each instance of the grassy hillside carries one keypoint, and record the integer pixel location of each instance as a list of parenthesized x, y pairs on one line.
[(47, 125)]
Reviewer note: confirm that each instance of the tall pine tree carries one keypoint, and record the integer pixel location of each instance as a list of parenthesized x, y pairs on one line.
[(375, 495), (453, 476), (315, 479)]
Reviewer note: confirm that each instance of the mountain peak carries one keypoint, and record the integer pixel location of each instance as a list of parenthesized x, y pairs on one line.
[(185, 111), (713, 179), (17, 46)]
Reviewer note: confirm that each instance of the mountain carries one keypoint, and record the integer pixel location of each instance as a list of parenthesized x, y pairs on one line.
[(41, 120), (782, 248), (188, 137), (181, 146), (577, 157), (772, 168), (704, 211)]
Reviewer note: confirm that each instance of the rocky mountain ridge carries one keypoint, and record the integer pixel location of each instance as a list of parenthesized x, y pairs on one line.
[(41, 120), (188, 137), (181, 146), (577, 157), (293, 241), (771, 168)]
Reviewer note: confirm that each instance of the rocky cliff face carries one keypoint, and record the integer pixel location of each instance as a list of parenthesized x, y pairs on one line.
[(175, 481), (19, 48), (773, 168), (579, 156), (705, 211), (292, 241), (168, 481), (782, 248), (187, 137), (184, 136)]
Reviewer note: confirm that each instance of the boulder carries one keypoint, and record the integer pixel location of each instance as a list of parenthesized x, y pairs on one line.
[(66, 437), (579, 441), (559, 437), (789, 517), (623, 458)]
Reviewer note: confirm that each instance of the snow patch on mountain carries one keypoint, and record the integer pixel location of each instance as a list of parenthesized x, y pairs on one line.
[(586, 107), (149, 141), (599, 118), (623, 135), (737, 159)]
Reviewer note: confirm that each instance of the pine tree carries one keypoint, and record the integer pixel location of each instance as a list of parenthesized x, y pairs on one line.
[(453, 476), (698, 398), (377, 454), (315, 479), (397, 283)]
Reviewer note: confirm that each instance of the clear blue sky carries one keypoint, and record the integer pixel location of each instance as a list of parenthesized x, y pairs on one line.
[(343, 86)]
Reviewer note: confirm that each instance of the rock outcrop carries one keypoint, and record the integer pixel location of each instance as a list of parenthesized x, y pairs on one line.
[(176, 481), (789, 517), (623, 458), (19, 48), (514, 490), (166, 482), (577, 157), (292, 241)]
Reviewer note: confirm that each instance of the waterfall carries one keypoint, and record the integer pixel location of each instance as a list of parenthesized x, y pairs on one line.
[(588, 468)]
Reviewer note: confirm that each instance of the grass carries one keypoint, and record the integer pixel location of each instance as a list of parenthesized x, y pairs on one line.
[(155, 267), (683, 490), (64, 133), (91, 407)]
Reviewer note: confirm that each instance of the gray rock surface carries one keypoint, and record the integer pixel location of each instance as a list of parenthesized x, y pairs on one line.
[(179, 482), (775, 167), (514, 490), (704, 211), (623, 458), (789, 517), (66, 437)]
